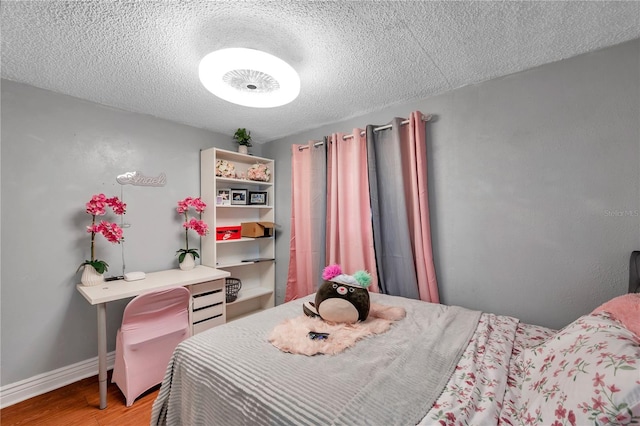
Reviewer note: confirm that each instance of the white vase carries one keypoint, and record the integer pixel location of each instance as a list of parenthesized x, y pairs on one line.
[(91, 277), (188, 263), (242, 149)]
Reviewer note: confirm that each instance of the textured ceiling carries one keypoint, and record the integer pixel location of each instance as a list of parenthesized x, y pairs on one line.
[(353, 57)]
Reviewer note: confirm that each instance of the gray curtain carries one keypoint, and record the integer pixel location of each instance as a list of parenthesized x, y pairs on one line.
[(319, 206), (393, 247)]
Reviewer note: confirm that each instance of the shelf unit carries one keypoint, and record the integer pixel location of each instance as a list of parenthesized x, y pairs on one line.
[(258, 278)]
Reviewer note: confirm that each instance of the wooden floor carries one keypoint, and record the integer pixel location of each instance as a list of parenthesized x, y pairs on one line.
[(78, 404)]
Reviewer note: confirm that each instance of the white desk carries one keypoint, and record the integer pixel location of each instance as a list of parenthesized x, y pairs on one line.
[(99, 295)]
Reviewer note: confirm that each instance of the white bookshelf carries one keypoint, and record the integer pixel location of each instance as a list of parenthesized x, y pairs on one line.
[(258, 278)]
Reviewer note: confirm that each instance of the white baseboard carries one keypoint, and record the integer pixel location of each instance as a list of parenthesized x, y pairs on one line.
[(43, 383)]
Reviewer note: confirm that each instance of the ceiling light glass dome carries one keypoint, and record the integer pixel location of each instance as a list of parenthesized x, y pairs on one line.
[(249, 77)]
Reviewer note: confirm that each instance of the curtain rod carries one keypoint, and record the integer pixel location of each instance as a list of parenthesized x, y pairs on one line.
[(376, 129)]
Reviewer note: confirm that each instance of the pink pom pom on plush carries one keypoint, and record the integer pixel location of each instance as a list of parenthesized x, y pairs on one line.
[(331, 271)]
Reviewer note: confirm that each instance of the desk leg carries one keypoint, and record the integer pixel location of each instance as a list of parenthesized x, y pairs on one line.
[(102, 353)]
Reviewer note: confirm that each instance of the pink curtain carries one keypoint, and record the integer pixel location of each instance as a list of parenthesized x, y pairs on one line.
[(306, 246), (349, 236), (417, 196)]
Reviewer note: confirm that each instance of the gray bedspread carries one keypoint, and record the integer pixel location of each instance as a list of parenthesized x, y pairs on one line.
[(232, 375)]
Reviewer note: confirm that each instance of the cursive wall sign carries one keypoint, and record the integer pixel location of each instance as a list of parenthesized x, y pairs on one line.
[(138, 179)]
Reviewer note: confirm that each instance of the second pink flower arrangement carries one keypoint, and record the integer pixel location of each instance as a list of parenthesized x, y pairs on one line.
[(197, 225)]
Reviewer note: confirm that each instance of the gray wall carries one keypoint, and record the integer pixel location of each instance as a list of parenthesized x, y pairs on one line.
[(534, 186), (57, 151)]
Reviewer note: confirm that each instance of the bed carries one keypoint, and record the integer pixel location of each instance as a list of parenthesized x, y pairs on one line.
[(440, 365)]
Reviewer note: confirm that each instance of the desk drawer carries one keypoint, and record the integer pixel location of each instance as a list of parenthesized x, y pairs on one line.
[(206, 313), (207, 287), (208, 299), (205, 325)]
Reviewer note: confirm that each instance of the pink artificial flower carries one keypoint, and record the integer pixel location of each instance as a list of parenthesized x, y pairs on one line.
[(183, 206), (96, 207), (197, 203), (111, 231), (197, 225), (116, 205), (201, 228)]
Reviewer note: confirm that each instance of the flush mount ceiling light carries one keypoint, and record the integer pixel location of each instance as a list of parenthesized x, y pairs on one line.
[(249, 77)]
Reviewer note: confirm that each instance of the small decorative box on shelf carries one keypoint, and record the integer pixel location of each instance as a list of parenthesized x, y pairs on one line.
[(257, 229), (224, 233)]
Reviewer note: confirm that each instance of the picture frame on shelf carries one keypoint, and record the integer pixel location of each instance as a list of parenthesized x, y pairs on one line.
[(238, 197), (258, 198), (224, 197)]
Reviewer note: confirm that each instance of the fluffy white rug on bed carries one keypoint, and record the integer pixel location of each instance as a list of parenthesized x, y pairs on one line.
[(292, 334)]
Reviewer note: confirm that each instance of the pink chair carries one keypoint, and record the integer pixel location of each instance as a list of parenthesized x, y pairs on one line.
[(152, 326)]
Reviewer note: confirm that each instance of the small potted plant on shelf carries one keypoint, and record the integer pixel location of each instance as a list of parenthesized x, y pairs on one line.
[(243, 138)]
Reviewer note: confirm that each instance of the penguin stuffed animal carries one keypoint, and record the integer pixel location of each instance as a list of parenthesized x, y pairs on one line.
[(341, 298)]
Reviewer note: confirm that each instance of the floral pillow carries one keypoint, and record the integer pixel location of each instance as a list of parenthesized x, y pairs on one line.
[(587, 373)]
